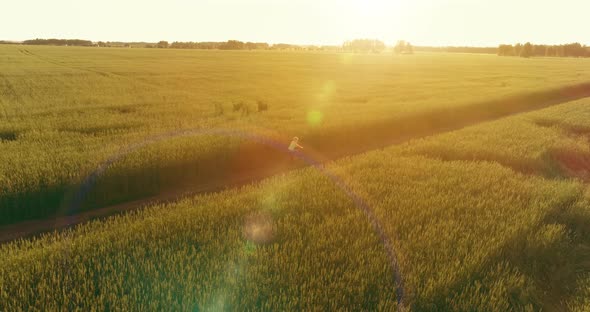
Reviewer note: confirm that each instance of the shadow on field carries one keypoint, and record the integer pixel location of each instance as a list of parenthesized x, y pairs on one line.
[(361, 137), (573, 130), (555, 163), (537, 267), (256, 161), (7, 135), (552, 255), (572, 163), (538, 167), (246, 164)]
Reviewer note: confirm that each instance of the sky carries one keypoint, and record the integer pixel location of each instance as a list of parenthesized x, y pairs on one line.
[(318, 22)]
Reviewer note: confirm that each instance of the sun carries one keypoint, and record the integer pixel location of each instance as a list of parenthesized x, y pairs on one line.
[(385, 20)]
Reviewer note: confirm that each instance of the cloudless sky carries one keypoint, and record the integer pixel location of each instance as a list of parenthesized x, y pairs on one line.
[(422, 22)]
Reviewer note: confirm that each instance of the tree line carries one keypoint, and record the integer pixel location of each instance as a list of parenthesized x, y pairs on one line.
[(240, 45), (482, 50), (227, 45), (529, 50), (364, 45), (60, 42), (403, 47), (357, 46)]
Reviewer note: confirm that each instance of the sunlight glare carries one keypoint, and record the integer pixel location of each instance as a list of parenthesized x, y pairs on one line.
[(371, 8), (314, 117)]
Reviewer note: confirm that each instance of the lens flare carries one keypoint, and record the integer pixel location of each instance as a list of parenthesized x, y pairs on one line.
[(315, 117), (326, 93), (329, 88), (270, 204), (249, 248), (258, 228), (345, 58)]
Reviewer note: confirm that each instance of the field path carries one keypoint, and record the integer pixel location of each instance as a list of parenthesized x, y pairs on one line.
[(377, 136)]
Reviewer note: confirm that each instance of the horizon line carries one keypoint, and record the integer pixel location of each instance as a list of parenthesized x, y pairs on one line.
[(295, 44)]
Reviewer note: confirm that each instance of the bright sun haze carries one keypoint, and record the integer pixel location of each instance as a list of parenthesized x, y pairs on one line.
[(423, 22), (294, 155)]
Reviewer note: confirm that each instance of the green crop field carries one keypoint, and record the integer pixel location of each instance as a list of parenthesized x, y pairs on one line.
[(491, 217), (66, 110)]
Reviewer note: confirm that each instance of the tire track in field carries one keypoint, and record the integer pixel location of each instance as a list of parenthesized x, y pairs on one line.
[(105, 74), (65, 65), (51, 61), (8, 90), (7, 93), (95, 71)]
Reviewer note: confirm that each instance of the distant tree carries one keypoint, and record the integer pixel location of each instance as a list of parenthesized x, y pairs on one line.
[(180, 45), (284, 46), (60, 42), (256, 45), (162, 45), (364, 45), (517, 49), (575, 50), (482, 50), (560, 51), (399, 47), (80, 43), (527, 50), (538, 50), (409, 49), (403, 47), (506, 50), (377, 46), (331, 48), (262, 46), (549, 51), (232, 45)]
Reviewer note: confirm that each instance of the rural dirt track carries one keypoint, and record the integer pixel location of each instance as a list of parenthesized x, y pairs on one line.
[(377, 136)]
